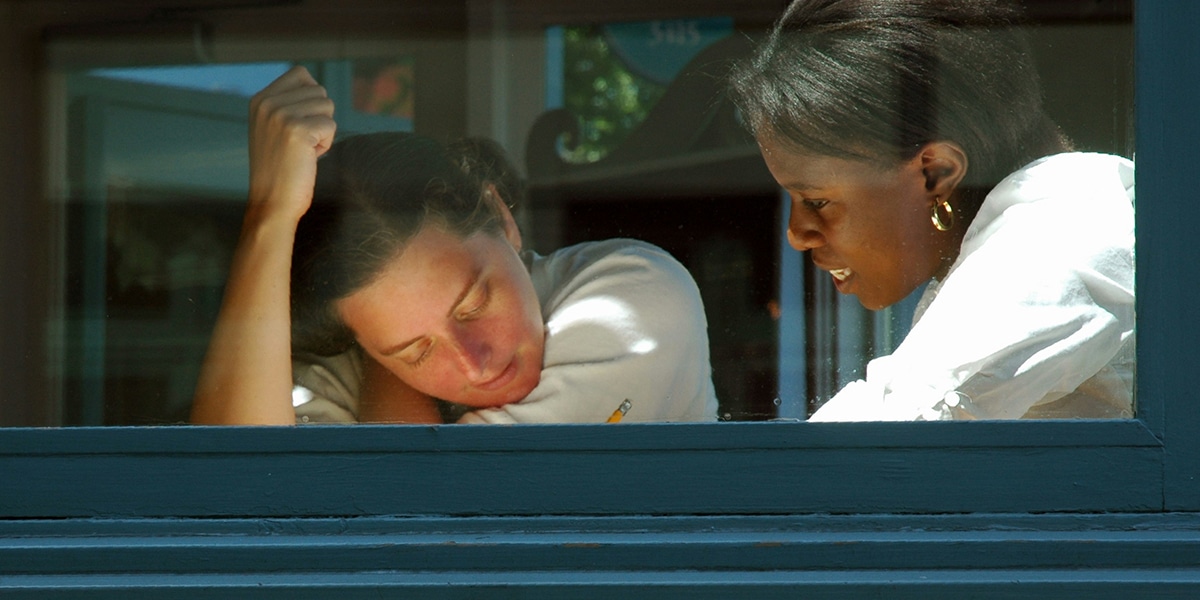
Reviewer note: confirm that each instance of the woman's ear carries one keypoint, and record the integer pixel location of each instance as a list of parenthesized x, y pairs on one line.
[(944, 165), (511, 232)]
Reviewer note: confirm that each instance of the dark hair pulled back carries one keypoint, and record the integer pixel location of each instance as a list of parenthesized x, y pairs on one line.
[(876, 80)]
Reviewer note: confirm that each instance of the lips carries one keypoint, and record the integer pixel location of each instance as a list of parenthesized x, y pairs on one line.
[(501, 379)]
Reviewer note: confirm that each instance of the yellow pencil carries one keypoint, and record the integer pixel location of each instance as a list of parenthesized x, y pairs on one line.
[(620, 412)]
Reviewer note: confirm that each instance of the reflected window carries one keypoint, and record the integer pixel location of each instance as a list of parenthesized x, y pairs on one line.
[(242, 80), (613, 74), (157, 181), (384, 86)]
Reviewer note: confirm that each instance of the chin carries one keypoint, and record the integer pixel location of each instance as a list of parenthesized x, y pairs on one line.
[(528, 376), (522, 387), (874, 305), (514, 392), (876, 302)]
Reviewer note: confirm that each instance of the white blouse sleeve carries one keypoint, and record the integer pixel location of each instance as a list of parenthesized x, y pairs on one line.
[(326, 387), (1037, 304)]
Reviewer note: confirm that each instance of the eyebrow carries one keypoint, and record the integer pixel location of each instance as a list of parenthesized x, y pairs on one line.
[(800, 186), (471, 285), (475, 281)]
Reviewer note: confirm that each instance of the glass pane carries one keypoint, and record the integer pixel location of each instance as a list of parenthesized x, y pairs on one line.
[(614, 74), (786, 340), (385, 87), (619, 123), (157, 185), (242, 80)]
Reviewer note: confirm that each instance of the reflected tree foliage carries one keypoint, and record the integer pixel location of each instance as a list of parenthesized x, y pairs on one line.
[(608, 98)]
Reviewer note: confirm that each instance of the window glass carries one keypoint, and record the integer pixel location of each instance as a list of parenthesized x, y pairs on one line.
[(146, 168), (157, 184), (786, 340), (242, 80), (613, 74), (384, 87)]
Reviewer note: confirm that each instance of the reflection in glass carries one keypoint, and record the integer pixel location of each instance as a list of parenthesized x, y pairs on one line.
[(613, 74), (157, 179), (914, 146), (153, 161), (238, 79), (384, 87)]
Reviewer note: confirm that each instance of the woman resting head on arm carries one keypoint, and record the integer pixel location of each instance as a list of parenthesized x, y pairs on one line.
[(403, 257), (911, 138), (412, 300)]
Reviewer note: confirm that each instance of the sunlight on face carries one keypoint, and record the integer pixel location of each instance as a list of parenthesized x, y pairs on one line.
[(455, 318), (867, 226)]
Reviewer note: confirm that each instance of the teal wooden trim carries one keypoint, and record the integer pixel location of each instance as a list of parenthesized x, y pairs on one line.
[(621, 544), (659, 438), (1144, 465), (1168, 54), (586, 482), (452, 585), (733, 468), (269, 485), (986, 555)]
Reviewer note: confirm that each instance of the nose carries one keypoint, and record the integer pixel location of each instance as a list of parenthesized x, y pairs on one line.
[(474, 353), (803, 232)]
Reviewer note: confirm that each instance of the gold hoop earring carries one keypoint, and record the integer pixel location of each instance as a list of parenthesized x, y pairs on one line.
[(939, 223)]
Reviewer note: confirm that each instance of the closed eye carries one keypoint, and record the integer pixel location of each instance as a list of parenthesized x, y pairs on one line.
[(474, 305), (421, 350)]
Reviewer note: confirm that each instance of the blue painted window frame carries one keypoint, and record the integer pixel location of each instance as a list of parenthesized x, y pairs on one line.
[(1145, 465)]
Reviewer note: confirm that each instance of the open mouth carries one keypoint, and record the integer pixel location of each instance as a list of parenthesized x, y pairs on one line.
[(841, 274)]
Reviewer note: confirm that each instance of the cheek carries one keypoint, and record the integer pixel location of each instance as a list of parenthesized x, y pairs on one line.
[(516, 325), (895, 234), (431, 376), (521, 310)]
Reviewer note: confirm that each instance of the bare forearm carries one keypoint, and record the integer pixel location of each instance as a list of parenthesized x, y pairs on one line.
[(246, 378)]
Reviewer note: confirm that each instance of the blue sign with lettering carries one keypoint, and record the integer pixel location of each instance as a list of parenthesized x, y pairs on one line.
[(658, 50)]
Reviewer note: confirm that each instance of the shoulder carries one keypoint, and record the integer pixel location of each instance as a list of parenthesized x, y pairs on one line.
[(622, 267), (1068, 181), (612, 253), (623, 320), (1059, 232), (1075, 174), (326, 387), (1073, 201)]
